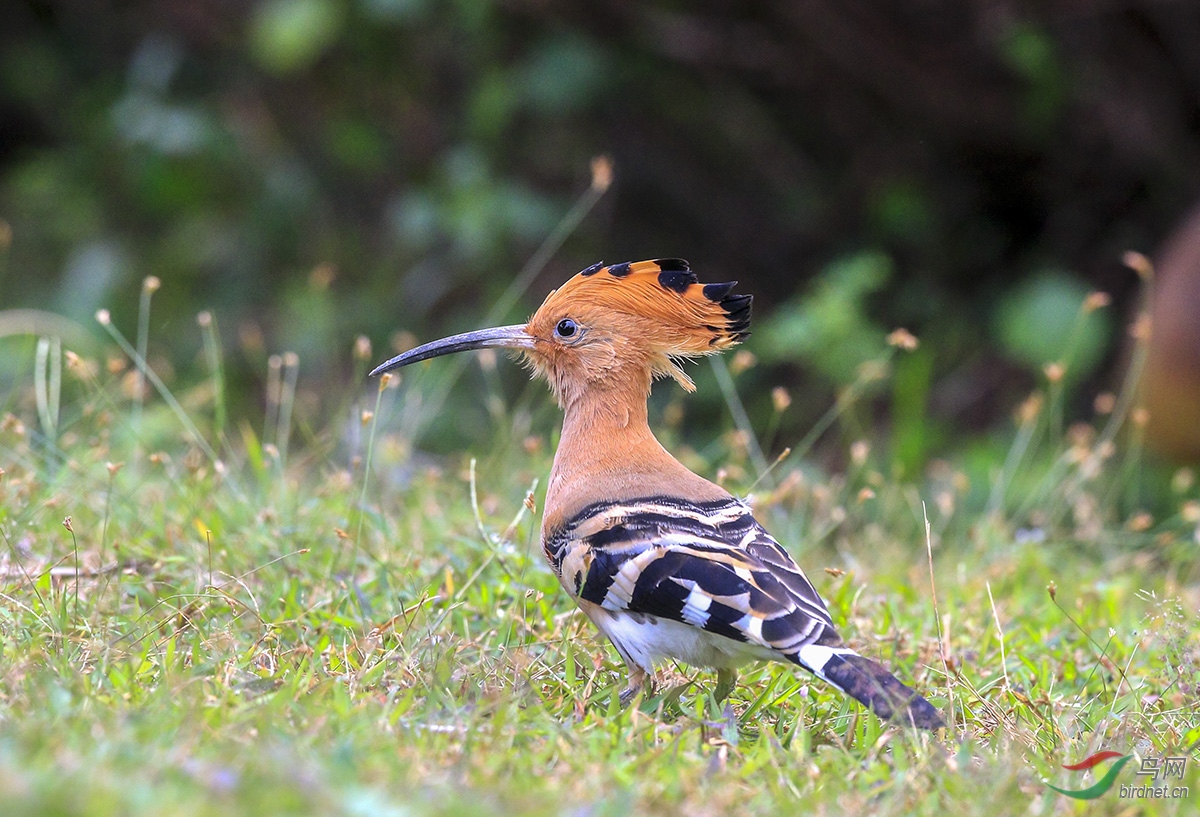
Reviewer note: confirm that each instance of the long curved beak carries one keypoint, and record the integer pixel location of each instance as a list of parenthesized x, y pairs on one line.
[(506, 337)]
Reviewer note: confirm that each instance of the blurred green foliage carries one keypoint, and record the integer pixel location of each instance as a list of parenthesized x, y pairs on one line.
[(828, 328), (1043, 321), (313, 170), (289, 35)]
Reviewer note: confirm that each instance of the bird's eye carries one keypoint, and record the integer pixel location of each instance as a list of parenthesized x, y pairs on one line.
[(566, 328)]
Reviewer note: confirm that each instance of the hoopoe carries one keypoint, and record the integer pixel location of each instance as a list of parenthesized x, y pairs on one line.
[(665, 563)]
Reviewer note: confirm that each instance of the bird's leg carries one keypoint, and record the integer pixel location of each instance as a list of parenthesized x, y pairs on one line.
[(639, 681), (726, 681)]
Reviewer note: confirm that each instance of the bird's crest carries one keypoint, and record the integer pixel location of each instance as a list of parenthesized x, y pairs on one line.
[(691, 318), (658, 308)]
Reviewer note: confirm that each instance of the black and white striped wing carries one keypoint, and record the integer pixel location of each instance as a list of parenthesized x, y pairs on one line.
[(710, 565)]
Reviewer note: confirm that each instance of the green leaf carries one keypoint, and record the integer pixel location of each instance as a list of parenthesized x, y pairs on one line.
[(1041, 321), (289, 35)]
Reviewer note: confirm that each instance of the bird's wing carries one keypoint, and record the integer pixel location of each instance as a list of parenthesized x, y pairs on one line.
[(710, 565)]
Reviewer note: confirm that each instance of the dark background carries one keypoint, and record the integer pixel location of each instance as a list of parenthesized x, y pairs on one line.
[(312, 170)]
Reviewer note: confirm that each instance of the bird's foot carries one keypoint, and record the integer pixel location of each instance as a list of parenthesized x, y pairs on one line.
[(639, 681), (726, 681)]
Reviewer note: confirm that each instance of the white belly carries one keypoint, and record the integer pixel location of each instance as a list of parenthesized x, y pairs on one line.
[(646, 639)]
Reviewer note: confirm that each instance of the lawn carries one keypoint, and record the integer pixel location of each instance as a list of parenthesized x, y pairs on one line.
[(202, 613)]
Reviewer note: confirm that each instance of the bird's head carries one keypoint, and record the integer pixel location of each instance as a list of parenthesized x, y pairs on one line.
[(614, 327)]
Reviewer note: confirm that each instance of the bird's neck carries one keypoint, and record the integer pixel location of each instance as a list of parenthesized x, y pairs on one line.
[(607, 452)]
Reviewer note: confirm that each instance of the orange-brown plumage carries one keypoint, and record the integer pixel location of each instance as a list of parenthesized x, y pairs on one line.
[(636, 319), (663, 561)]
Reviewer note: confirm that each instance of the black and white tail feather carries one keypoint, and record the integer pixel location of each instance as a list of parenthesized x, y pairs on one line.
[(704, 583)]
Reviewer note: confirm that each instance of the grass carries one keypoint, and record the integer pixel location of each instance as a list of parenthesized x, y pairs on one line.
[(194, 621)]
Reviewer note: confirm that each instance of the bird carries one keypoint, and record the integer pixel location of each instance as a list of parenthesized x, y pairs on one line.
[(665, 563)]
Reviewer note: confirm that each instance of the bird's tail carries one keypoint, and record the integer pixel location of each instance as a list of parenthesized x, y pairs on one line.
[(870, 684)]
